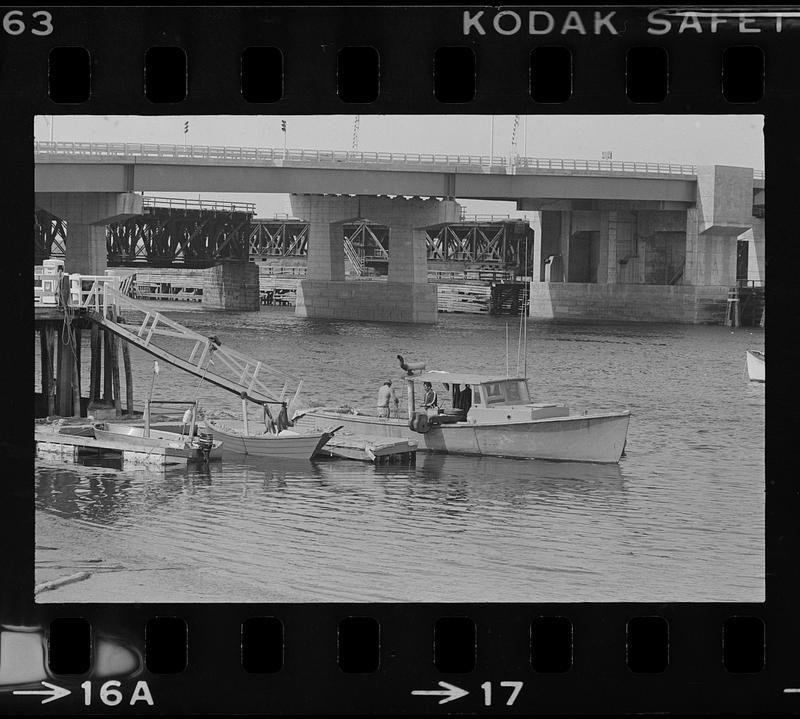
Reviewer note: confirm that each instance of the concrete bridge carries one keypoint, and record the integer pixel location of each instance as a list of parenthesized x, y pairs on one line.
[(603, 225)]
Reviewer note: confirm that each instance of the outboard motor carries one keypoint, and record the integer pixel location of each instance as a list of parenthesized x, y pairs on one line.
[(205, 440)]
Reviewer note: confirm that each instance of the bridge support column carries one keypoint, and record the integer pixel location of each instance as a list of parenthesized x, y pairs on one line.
[(232, 286), (86, 215), (406, 296)]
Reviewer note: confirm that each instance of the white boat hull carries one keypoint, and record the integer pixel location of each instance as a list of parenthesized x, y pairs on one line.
[(287, 446), (578, 438), (756, 365), (177, 444)]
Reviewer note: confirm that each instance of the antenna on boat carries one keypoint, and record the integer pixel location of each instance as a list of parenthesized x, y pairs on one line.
[(519, 336), (506, 350), (525, 308)]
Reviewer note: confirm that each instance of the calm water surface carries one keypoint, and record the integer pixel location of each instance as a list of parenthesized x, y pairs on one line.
[(681, 518)]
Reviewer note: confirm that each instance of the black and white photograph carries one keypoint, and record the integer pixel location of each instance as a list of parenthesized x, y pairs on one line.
[(399, 358)]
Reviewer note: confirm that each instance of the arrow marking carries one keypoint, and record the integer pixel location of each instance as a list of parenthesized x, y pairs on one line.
[(52, 692), (448, 691)]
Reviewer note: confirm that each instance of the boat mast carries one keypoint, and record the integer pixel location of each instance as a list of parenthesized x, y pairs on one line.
[(506, 350), (519, 336), (525, 308)]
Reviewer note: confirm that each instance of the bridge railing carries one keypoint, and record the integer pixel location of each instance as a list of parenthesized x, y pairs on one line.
[(603, 166), (509, 165), (188, 204)]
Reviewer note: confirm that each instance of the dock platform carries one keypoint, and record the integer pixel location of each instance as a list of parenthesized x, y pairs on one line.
[(378, 451), (54, 445)]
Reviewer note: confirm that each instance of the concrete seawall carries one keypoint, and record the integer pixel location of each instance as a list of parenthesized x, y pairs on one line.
[(628, 303)]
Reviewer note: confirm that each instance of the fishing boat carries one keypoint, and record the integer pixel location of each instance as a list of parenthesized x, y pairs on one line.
[(756, 365), (197, 448), (287, 444), (499, 419)]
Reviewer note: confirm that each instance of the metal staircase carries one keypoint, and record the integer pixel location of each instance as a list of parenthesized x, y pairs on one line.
[(204, 357), (352, 255)]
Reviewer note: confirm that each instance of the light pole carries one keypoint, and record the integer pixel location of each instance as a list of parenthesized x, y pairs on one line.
[(491, 142)]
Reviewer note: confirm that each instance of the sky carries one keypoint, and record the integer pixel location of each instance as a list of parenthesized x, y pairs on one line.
[(678, 139)]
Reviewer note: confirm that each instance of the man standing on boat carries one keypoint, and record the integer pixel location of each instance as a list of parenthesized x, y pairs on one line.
[(385, 395), (430, 401), (465, 399)]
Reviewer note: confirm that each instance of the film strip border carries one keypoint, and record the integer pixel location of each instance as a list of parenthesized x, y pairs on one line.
[(453, 74), (385, 60), (460, 60), (413, 659)]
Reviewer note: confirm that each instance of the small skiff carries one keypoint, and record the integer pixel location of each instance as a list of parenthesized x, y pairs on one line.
[(756, 365), (288, 444)]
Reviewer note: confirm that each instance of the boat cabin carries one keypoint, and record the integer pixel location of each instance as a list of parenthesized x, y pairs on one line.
[(493, 398)]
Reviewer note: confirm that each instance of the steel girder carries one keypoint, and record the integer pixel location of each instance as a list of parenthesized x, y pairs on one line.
[(49, 236), (278, 238), (370, 240), (173, 236), (487, 242)]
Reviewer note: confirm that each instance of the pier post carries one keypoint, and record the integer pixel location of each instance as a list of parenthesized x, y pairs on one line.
[(75, 339), (126, 363), (106, 366), (95, 363), (48, 389), (67, 369)]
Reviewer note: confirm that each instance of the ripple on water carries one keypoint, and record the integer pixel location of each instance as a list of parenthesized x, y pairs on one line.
[(680, 518)]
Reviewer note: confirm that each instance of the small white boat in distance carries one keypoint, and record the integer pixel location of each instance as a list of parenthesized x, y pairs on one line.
[(500, 420), (756, 365), (287, 444)]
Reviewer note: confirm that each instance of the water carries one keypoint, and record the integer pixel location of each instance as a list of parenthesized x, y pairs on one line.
[(681, 518)]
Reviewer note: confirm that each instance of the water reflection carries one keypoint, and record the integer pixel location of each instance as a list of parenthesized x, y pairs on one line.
[(681, 517)]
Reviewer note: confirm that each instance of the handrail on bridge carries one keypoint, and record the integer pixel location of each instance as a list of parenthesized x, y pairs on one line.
[(509, 165), (189, 204)]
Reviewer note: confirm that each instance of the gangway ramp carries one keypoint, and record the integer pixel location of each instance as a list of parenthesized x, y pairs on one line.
[(171, 342)]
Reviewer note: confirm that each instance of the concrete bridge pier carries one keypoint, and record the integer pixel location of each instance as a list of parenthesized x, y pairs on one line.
[(406, 296), (232, 286), (86, 215)]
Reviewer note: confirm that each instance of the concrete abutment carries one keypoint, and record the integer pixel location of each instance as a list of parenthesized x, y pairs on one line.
[(406, 296)]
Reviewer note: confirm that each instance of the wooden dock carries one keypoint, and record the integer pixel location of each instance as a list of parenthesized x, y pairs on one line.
[(371, 449), (54, 445)]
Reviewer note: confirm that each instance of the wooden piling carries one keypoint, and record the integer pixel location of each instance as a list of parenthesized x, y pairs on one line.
[(126, 362), (64, 379), (115, 369), (46, 379), (75, 383), (50, 341), (95, 364), (76, 333), (106, 365)]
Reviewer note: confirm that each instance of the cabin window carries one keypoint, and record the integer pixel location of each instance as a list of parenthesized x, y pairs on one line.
[(495, 393), (513, 392), (521, 391)]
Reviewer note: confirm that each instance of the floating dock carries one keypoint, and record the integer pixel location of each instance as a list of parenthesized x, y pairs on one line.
[(389, 451), (54, 445)]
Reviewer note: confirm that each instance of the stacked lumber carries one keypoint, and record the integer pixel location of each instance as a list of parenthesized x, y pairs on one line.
[(471, 299)]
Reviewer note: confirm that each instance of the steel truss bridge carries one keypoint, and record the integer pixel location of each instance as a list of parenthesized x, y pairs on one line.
[(201, 233)]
